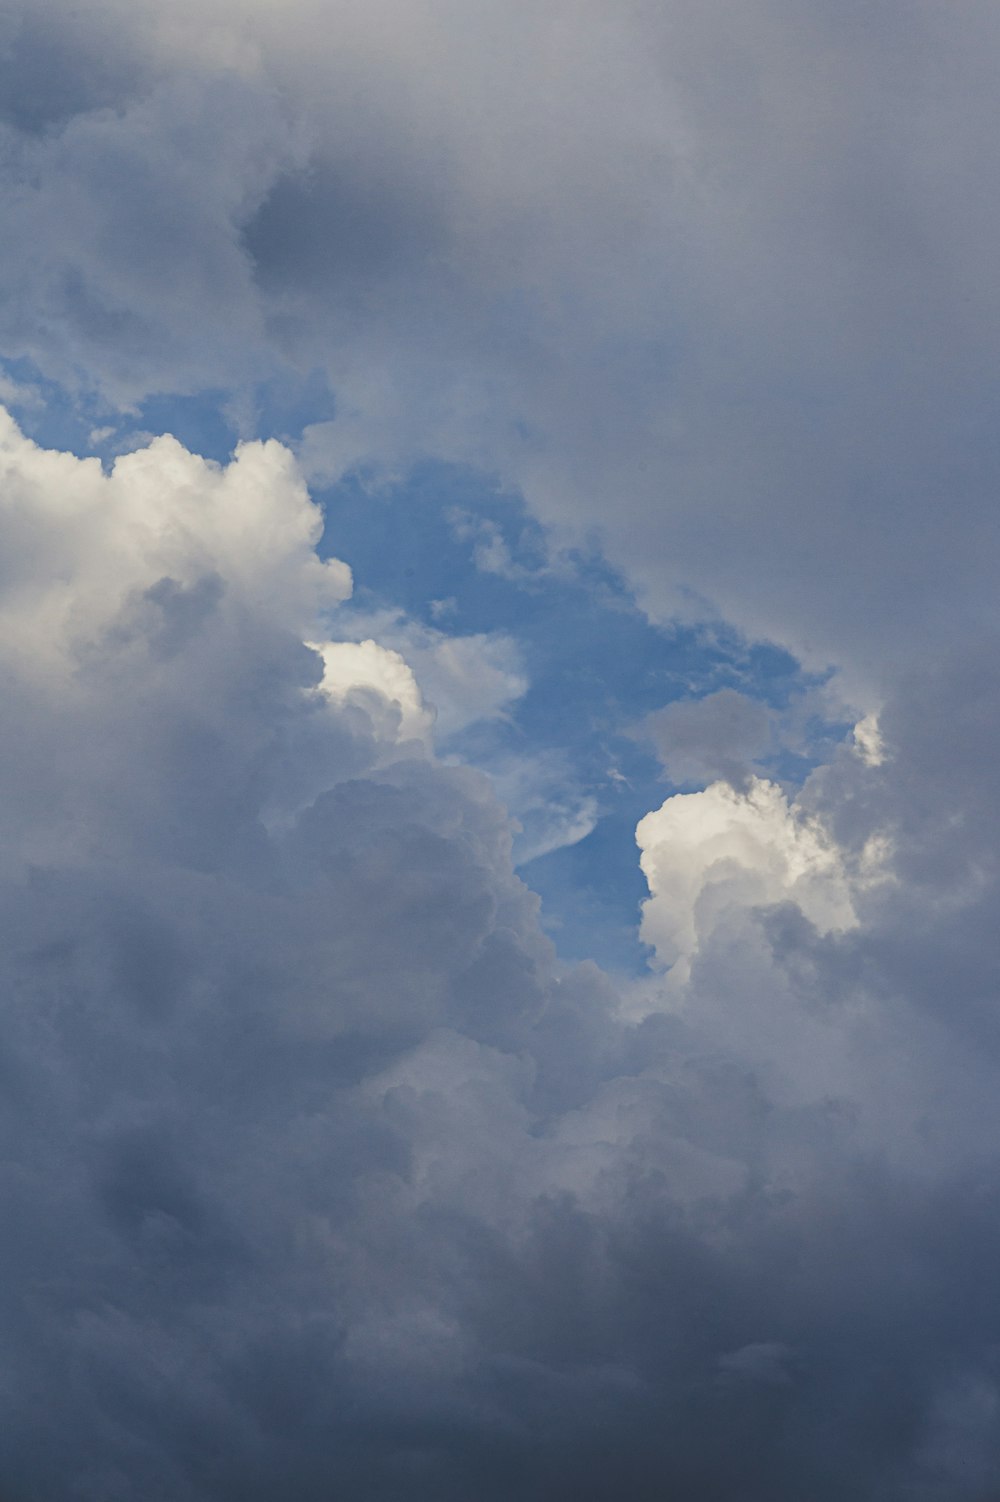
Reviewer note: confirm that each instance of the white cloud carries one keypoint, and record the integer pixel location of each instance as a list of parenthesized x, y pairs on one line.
[(82, 546), (706, 853), (376, 676), (465, 679)]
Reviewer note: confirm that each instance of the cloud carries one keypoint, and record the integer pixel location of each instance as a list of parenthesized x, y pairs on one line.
[(466, 680), (669, 322), (704, 853), (720, 735), (320, 1172), (382, 681), (552, 811)]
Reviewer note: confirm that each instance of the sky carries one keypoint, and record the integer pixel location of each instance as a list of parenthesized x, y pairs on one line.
[(499, 655)]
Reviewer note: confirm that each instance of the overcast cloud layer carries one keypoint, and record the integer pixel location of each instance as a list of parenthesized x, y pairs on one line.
[(322, 1174)]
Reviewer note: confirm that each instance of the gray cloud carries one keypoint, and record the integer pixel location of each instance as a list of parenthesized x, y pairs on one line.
[(321, 1176), (745, 314), (721, 735)]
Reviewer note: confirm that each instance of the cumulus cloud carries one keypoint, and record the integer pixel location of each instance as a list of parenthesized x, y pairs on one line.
[(321, 1175), (320, 1172), (380, 679), (703, 853), (465, 679)]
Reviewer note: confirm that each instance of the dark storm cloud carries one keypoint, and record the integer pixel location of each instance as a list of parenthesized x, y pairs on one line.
[(326, 227), (58, 62), (320, 1176)]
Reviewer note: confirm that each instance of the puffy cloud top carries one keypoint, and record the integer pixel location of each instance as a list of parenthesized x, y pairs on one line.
[(705, 852)]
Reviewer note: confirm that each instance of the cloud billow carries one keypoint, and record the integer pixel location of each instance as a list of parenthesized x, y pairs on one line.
[(741, 323), (323, 1177), (321, 1174)]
